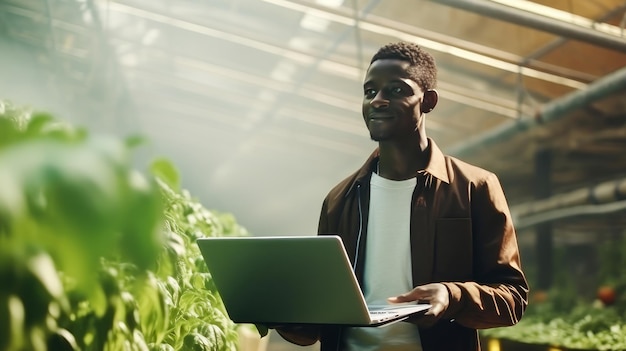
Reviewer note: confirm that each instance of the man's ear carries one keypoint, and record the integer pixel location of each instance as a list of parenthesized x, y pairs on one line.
[(430, 100)]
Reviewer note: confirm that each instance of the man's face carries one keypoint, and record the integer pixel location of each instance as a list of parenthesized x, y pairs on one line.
[(391, 101)]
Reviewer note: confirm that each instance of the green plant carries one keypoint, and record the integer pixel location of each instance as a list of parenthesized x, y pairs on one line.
[(564, 318), (95, 255), (67, 202), (197, 315)]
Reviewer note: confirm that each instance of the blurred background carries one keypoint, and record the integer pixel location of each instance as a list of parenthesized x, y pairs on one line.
[(258, 101)]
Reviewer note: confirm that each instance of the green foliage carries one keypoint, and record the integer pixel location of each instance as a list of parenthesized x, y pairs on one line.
[(95, 255), (563, 318), (166, 172), (198, 320), (584, 327), (612, 255)]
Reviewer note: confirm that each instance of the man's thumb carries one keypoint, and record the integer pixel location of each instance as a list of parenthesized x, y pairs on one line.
[(399, 299)]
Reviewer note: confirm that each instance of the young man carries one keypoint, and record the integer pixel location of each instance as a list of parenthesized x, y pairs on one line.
[(420, 225)]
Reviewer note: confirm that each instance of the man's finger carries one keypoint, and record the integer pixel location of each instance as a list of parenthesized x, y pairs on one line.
[(435, 309), (395, 299), (413, 295), (401, 298), (262, 329)]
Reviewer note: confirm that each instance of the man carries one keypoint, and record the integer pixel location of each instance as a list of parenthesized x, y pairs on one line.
[(419, 225)]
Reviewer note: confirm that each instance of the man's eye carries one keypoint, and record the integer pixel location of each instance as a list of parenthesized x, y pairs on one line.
[(396, 90), (370, 93)]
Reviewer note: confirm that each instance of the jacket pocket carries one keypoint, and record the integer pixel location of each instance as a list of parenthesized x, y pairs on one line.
[(453, 249)]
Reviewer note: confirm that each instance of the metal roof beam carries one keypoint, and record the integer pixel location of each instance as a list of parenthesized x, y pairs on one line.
[(603, 198), (552, 111), (467, 50), (546, 24)]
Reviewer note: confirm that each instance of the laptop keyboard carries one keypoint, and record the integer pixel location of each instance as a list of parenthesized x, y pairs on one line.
[(382, 312)]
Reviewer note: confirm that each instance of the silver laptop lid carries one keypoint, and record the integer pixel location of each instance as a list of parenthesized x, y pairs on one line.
[(304, 279)]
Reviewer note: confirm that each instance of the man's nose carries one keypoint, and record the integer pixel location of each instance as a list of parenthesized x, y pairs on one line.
[(379, 101)]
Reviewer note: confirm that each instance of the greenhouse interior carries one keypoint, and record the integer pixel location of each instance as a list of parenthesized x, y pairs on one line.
[(131, 128)]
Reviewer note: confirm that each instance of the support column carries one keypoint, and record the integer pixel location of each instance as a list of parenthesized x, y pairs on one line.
[(543, 231)]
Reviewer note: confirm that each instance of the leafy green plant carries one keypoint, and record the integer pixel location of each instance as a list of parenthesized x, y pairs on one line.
[(67, 201), (583, 328), (563, 318), (95, 255), (197, 315)]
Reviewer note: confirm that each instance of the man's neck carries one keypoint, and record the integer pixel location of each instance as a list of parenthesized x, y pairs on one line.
[(399, 162)]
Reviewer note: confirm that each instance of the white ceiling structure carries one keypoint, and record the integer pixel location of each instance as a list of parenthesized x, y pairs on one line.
[(258, 101)]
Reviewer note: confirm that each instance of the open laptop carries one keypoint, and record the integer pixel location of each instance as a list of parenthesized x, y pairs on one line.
[(292, 280)]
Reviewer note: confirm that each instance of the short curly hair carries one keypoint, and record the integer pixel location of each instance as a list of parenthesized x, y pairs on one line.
[(422, 69)]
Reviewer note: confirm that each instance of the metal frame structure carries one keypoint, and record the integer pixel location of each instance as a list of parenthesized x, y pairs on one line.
[(249, 84)]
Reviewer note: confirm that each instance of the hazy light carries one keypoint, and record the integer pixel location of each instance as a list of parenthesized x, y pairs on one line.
[(329, 3), (150, 37), (312, 22), (283, 72)]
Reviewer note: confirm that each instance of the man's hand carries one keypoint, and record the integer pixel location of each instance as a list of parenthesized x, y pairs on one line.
[(298, 334), (435, 294), (302, 335), (263, 329)]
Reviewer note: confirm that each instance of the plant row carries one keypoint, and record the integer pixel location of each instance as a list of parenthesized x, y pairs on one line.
[(96, 255)]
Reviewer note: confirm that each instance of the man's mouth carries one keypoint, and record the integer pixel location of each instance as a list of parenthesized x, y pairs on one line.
[(379, 117)]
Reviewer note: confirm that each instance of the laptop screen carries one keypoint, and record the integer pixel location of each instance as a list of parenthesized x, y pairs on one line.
[(304, 279)]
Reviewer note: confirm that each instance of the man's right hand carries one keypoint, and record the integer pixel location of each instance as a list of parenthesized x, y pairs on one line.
[(263, 329), (302, 335)]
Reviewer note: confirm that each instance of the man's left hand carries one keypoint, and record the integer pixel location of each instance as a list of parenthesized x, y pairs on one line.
[(435, 294)]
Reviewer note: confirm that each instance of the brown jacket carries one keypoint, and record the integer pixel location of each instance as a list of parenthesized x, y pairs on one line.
[(461, 235)]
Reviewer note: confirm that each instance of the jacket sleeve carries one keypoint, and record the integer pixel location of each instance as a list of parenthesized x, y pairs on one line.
[(498, 295), (322, 226)]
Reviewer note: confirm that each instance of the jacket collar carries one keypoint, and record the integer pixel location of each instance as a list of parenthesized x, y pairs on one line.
[(436, 166)]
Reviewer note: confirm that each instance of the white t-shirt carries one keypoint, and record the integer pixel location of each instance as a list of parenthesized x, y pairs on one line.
[(387, 265)]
